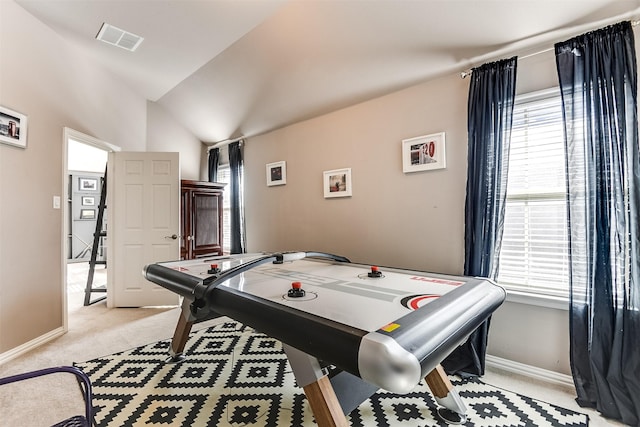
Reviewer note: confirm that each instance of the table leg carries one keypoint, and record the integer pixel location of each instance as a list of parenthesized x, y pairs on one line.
[(453, 411), (317, 387), (324, 404), (179, 340), (180, 335)]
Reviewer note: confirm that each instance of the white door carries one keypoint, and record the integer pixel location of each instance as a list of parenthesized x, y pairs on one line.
[(143, 223)]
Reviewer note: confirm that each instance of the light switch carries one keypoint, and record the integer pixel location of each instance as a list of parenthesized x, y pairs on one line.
[(56, 202)]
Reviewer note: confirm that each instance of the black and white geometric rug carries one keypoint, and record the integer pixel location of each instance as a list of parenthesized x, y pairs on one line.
[(234, 376)]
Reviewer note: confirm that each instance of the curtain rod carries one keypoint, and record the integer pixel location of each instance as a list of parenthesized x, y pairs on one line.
[(466, 73), (225, 142)]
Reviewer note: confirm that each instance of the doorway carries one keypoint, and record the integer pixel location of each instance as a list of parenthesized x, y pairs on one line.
[(85, 160)]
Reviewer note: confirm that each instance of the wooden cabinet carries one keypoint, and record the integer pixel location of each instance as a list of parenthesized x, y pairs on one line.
[(201, 218)]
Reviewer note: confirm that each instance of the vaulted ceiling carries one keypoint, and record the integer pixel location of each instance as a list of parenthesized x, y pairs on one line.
[(232, 68)]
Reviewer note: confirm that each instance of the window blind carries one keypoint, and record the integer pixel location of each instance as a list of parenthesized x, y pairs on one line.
[(534, 251)]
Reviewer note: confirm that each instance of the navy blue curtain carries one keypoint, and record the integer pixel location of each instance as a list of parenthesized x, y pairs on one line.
[(490, 113), (236, 202), (598, 81), (214, 154)]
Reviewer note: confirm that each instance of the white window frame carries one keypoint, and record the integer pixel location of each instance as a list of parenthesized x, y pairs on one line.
[(532, 295), (225, 172)]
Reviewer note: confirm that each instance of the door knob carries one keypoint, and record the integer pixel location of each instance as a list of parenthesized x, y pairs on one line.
[(173, 236)]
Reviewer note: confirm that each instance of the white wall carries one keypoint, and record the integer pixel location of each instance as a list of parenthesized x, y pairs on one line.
[(87, 158)]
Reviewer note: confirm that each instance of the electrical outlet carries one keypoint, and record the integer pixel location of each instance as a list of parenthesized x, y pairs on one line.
[(56, 202)]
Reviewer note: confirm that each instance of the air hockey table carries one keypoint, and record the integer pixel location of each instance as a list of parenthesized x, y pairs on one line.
[(347, 329)]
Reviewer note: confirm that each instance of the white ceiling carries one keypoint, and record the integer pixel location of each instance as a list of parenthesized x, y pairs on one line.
[(232, 68)]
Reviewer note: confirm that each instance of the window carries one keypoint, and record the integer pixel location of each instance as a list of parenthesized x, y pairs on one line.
[(534, 252), (224, 175)]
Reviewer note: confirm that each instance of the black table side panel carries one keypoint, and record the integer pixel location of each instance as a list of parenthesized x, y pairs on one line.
[(322, 338)]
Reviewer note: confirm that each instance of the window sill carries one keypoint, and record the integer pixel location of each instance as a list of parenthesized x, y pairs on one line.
[(540, 300)]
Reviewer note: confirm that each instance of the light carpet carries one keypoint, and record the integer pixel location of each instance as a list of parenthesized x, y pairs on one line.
[(234, 376)]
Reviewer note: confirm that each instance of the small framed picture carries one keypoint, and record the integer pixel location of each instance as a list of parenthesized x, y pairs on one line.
[(276, 173), (87, 214), (423, 153), (337, 183), (88, 184), (88, 201), (13, 128)]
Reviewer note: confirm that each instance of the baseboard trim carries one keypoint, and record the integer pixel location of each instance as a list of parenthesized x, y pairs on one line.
[(28, 346), (529, 371)]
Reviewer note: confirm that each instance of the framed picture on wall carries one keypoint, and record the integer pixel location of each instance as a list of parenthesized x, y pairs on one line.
[(88, 201), (88, 184), (13, 128), (276, 173), (423, 153), (87, 214), (337, 183)]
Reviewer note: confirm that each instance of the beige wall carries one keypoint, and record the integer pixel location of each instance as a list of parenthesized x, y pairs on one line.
[(404, 220), (42, 77), (411, 220), (55, 86), (165, 134)]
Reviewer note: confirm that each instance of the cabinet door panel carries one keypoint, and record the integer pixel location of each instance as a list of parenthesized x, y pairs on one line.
[(201, 213), (205, 214)]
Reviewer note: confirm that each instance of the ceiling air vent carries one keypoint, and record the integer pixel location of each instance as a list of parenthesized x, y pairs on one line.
[(117, 37)]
